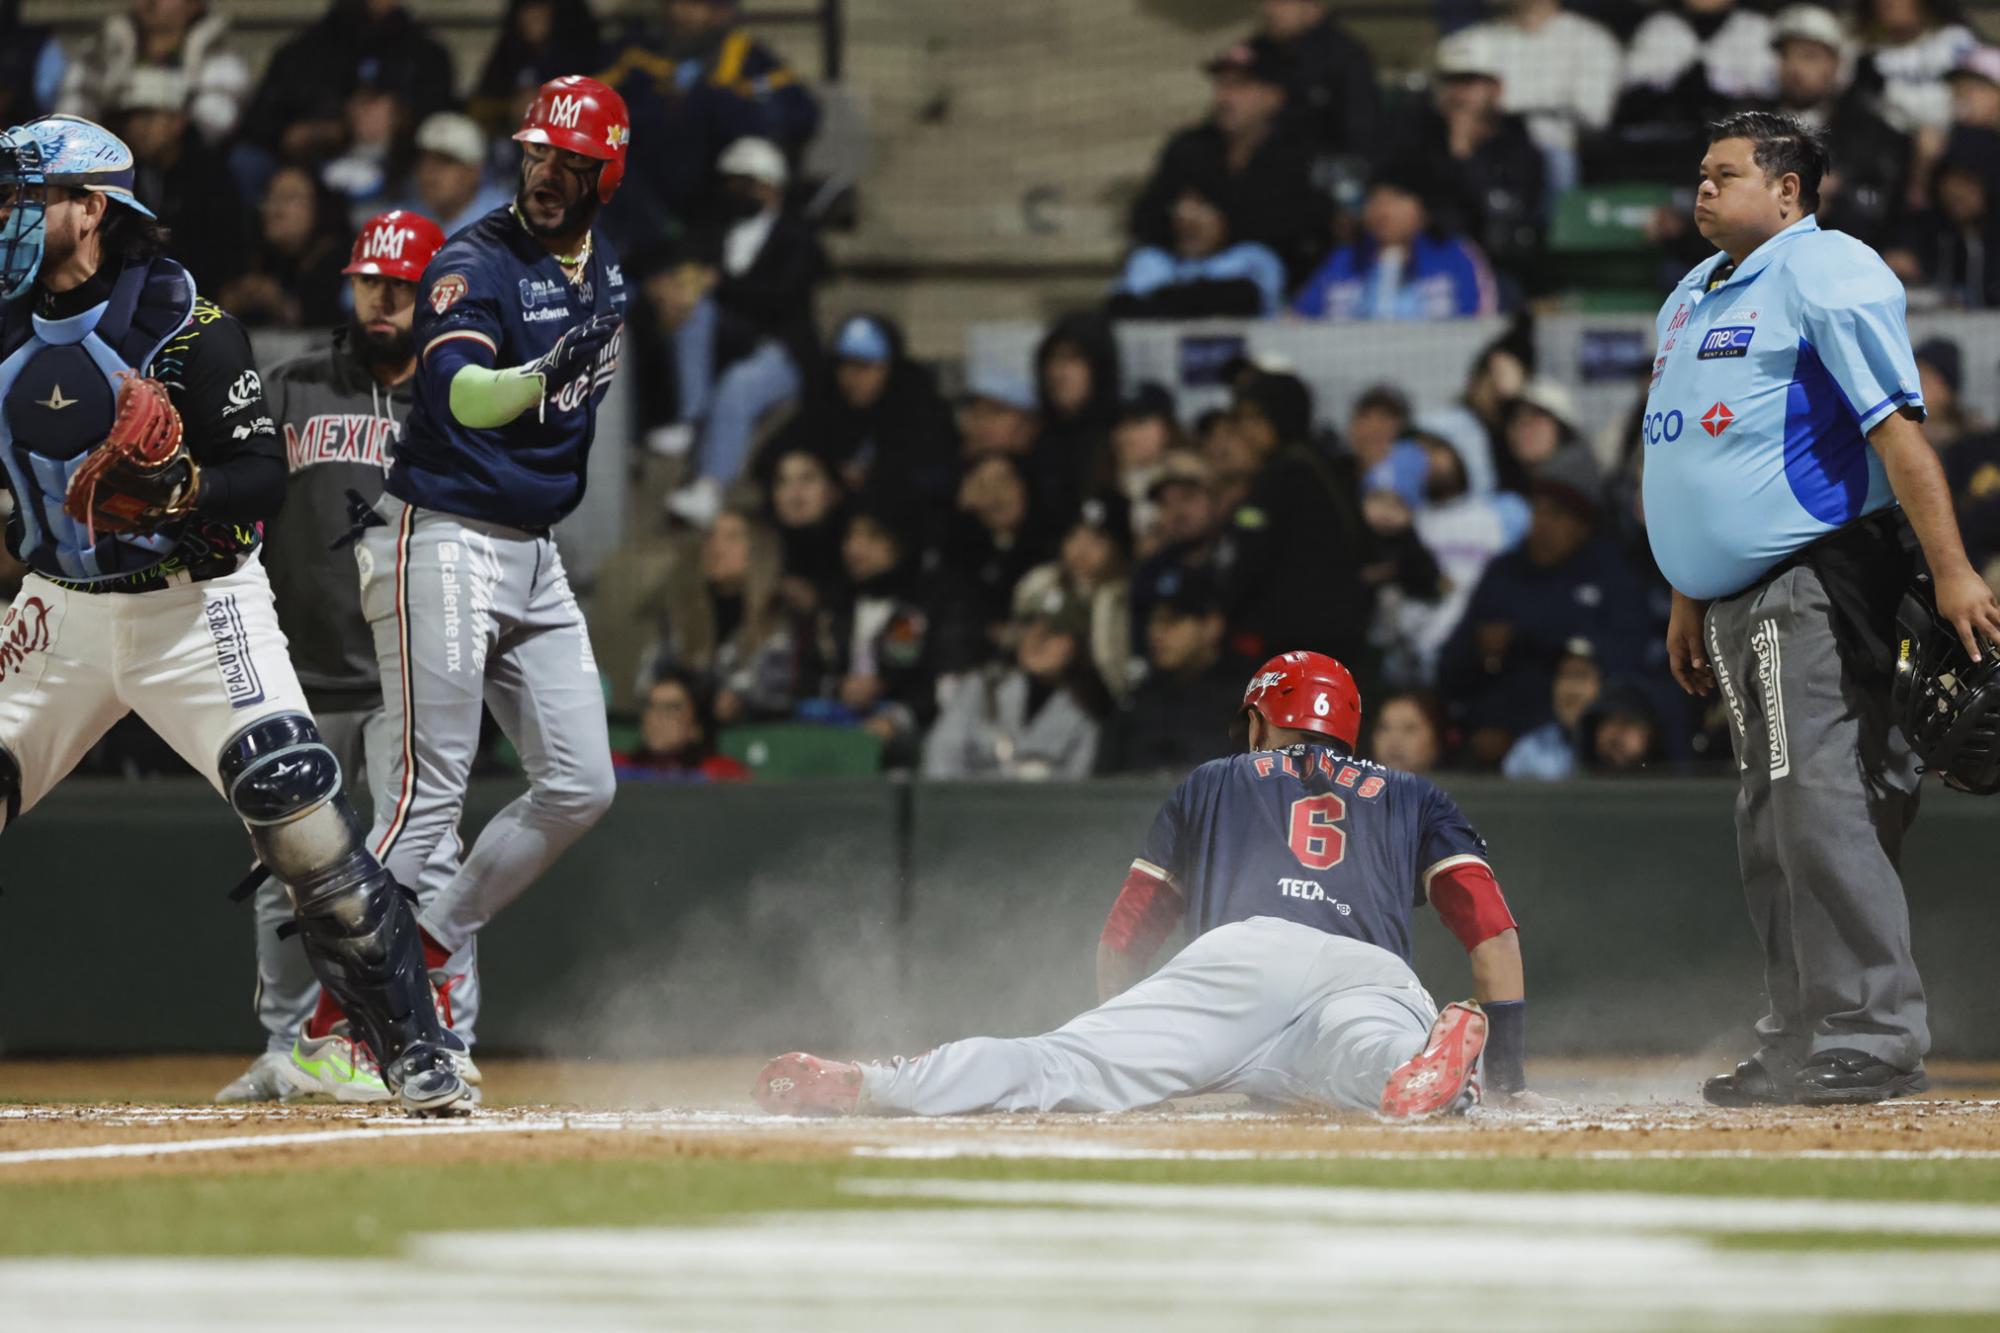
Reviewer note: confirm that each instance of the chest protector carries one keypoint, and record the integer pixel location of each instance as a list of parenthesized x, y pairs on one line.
[(58, 396)]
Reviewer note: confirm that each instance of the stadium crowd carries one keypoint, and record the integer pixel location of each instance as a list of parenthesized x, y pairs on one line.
[(1053, 573)]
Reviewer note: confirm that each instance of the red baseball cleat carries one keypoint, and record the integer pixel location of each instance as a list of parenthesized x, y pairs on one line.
[(801, 1084), (1443, 1078)]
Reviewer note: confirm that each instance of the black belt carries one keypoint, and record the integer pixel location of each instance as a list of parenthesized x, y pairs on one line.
[(156, 579)]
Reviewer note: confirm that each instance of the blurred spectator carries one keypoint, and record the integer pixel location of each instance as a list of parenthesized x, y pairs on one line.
[(677, 736), (1816, 83), (695, 82), (686, 345), (176, 36), (1408, 732), (1490, 174), (1538, 427), (882, 670), (1377, 425), (997, 538), (1727, 41), (1033, 720), (1951, 251), (33, 67), (1473, 423), (1092, 568), (187, 186), (722, 617), (1913, 45), (1146, 433), (292, 275), (1298, 541), (1972, 468), (1565, 582), (449, 180), (1620, 734), (1548, 753), (1464, 531), (1265, 167), (538, 40), (373, 47), (379, 146), (808, 507), (1975, 89), (1076, 381), (1940, 375), (877, 418), (1204, 273), (1180, 713), (1332, 100), (1189, 538), (772, 264), (1403, 267), (1559, 70)]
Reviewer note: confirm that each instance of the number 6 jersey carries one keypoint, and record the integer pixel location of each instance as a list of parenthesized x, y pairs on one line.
[(502, 300), (1343, 845)]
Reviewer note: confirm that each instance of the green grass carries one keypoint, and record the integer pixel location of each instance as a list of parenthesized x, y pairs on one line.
[(363, 1211)]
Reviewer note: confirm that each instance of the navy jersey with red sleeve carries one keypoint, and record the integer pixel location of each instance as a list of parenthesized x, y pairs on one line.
[(1343, 845), (495, 297)]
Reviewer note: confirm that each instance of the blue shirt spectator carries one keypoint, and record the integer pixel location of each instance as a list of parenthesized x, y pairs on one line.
[(1205, 272), (1548, 753), (1400, 269)]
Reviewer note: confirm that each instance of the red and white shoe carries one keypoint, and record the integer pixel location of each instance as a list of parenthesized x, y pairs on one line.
[(1443, 1078), (801, 1084)]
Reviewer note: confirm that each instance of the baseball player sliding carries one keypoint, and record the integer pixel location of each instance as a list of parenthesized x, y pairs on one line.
[(516, 333), (338, 410), (141, 458), (1294, 867)]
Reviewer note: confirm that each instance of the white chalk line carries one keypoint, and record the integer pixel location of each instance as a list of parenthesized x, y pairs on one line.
[(233, 1142), (1110, 1152)]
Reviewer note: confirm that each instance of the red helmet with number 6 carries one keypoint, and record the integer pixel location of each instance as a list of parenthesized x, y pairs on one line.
[(395, 244), (1307, 692), (583, 116)]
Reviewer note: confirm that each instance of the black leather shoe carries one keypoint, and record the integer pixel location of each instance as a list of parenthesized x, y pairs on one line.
[(1749, 1084), (1854, 1078)]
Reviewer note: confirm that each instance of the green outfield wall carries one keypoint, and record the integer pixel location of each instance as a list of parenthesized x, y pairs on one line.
[(888, 916)]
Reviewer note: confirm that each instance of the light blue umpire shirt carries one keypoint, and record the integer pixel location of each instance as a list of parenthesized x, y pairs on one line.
[(1763, 394)]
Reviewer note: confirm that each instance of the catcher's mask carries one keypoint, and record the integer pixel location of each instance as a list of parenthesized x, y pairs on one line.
[(22, 212), (1948, 705)]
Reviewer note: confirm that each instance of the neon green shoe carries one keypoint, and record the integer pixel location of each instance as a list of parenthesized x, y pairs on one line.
[(334, 1066)]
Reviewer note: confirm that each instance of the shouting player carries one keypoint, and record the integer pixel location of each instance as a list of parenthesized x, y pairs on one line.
[(141, 458), (1294, 867), (516, 333), (338, 410)]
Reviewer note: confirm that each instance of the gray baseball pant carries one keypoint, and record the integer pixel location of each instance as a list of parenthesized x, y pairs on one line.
[(287, 990), (468, 614), (1265, 1007), (1829, 787)]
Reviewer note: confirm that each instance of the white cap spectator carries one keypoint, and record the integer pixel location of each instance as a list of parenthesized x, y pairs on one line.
[(449, 134), (758, 159), (1812, 23), (1560, 70), (1467, 54)]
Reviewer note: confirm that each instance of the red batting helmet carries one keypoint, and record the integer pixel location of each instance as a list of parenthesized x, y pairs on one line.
[(583, 116), (1307, 692), (395, 244)]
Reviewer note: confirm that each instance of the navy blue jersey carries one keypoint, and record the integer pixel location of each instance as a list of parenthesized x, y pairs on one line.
[(1343, 845), (503, 300)]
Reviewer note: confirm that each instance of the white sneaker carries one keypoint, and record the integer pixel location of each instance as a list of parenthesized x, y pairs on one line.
[(699, 502), (671, 441), (334, 1066), (263, 1081)]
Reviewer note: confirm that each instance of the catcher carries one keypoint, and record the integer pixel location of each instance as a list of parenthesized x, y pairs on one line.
[(140, 459)]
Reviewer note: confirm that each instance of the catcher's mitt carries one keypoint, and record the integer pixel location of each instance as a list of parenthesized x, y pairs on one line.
[(140, 478)]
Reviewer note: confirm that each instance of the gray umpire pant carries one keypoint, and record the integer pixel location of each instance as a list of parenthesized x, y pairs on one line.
[(1829, 787), (287, 990), (468, 616)]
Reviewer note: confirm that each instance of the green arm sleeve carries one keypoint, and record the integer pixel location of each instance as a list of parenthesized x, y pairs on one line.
[(483, 399)]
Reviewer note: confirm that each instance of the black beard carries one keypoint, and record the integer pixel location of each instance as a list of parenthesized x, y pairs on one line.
[(381, 349), (575, 218)]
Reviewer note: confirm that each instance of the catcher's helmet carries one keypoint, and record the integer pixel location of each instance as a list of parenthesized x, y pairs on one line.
[(63, 150), (583, 116), (1306, 692), (395, 244), (1948, 705)]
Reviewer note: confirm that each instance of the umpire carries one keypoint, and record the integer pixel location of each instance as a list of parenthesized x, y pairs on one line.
[(1785, 472)]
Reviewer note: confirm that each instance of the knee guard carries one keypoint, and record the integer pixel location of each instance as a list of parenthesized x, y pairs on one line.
[(10, 788), (355, 921)]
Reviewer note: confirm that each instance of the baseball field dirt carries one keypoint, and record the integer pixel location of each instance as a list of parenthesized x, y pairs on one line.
[(655, 1195)]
